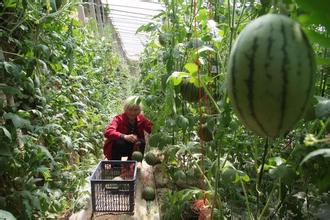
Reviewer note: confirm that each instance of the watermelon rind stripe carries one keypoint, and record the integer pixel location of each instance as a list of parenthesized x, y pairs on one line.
[(284, 72), (249, 83)]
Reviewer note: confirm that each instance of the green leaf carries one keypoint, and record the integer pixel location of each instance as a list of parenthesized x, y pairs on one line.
[(5, 150), (45, 171), (317, 11), (191, 67), (182, 122), (45, 151), (276, 161), (26, 204), (10, 3), (153, 140), (10, 90), (147, 28), (318, 38), (240, 175), (42, 49), (88, 145), (245, 178), (202, 15), (322, 109), (17, 120), (322, 61), (67, 141), (13, 69), (159, 140), (6, 215), (176, 77), (285, 172), (320, 152), (6, 132), (205, 48), (53, 5), (53, 128)]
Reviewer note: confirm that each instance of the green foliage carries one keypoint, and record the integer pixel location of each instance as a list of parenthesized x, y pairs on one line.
[(274, 186), (174, 203), (59, 83)]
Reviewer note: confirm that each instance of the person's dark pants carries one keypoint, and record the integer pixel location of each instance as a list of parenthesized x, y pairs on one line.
[(122, 148)]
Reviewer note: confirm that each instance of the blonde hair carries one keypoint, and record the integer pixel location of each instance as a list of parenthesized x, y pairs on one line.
[(132, 101)]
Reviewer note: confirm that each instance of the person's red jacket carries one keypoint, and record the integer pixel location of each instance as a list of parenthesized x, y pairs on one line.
[(120, 125)]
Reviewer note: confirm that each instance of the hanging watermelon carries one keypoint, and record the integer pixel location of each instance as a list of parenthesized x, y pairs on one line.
[(271, 75), (189, 91)]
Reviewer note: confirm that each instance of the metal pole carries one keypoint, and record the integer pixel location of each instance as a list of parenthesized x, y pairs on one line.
[(92, 9), (103, 14)]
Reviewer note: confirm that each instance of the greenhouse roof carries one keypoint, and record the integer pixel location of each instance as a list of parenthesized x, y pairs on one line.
[(127, 16)]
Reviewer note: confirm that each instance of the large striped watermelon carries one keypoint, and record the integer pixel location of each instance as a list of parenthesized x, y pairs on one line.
[(271, 75)]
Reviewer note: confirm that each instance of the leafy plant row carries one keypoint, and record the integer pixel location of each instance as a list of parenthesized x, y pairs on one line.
[(236, 173), (59, 81)]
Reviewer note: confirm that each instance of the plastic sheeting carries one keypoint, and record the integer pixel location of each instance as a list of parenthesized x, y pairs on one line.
[(127, 16)]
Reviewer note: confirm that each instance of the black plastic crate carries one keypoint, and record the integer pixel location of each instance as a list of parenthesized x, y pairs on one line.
[(113, 186)]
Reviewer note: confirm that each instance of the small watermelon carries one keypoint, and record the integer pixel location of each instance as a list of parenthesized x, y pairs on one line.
[(180, 178), (151, 159), (189, 91), (205, 133), (228, 175), (149, 193), (195, 43), (137, 155)]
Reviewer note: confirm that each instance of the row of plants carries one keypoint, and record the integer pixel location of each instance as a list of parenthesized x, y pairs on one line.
[(213, 166), (59, 82)]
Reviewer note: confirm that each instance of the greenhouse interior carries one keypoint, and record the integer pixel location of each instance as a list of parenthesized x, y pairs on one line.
[(164, 109)]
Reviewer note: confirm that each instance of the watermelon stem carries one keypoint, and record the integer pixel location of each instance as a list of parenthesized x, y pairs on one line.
[(211, 97), (261, 173)]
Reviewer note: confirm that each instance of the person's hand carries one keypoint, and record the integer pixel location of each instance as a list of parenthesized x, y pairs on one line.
[(130, 138)]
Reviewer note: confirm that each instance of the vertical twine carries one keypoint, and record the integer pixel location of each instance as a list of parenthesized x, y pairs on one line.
[(199, 92)]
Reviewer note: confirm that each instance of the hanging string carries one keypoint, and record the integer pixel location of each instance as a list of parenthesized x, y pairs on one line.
[(209, 112), (209, 63), (199, 95)]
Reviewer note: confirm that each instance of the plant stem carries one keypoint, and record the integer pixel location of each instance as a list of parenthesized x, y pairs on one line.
[(323, 129), (246, 199), (217, 182), (229, 15), (210, 96), (240, 18), (261, 173), (231, 24), (325, 72), (201, 171), (307, 198), (15, 54), (279, 203), (267, 203)]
